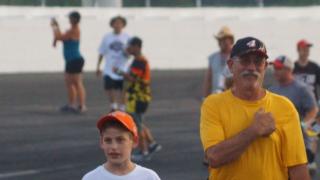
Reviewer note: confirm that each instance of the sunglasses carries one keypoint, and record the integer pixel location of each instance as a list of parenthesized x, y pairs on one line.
[(246, 60)]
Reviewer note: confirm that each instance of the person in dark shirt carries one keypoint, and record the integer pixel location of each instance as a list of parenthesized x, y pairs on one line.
[(306, 70), (138, 97)]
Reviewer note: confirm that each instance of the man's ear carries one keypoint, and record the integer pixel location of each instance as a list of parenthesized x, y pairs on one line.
[(266, 64)]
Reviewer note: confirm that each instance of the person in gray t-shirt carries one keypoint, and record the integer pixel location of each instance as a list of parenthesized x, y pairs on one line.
[(300, 95), (218, 72)]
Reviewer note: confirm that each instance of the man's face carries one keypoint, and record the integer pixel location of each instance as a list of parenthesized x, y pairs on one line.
[(304, 52), (117, 145), (225, 43), (281, 74), (248, 70)]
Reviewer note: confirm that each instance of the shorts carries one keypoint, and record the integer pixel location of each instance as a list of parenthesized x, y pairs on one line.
[(138, 107), (112, 84), (74, 66), (310, 156), (141, 107)]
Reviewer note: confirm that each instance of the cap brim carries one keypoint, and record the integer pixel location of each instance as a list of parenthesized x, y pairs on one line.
[(305, 45), (261, 53), (224, 36), (277, 65), (104, 119)]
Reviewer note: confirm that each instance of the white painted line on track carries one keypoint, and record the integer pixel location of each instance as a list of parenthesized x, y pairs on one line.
[(35, 171), (18, 173)]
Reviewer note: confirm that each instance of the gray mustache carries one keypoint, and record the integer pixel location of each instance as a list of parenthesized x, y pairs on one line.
[(250, 73)]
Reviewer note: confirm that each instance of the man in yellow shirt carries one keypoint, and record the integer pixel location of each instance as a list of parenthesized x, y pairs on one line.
[(248, 132)]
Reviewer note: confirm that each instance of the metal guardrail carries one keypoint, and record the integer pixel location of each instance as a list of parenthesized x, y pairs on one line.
[(159, 3)]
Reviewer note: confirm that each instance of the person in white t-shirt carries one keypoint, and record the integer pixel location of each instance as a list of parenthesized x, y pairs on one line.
[(112, 48), (118, 136)]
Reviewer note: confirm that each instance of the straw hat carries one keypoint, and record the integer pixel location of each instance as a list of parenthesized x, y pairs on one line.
[(224, 32)]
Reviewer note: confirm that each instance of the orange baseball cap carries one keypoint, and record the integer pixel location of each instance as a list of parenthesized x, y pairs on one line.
[(122, 117)]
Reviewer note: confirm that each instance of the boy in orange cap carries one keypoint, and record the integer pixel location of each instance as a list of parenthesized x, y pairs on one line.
[(118, 136)]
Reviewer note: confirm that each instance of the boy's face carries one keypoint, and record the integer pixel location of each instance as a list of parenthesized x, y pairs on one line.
[(118, 25), (117, 145), (133, 49)]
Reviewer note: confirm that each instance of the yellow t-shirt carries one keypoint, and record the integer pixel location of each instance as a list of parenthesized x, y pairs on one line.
[(266, 158)]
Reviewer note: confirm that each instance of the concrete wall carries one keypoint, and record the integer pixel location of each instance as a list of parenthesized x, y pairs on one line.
[(174, 38)]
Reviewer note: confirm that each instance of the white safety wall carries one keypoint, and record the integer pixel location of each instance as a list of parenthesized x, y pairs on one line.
[(174, 38)]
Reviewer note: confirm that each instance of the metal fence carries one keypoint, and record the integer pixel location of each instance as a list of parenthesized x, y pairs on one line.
[(160, 3), (41, 2)]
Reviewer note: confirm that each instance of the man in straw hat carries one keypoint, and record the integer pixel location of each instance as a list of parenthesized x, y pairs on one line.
[(218, 72)]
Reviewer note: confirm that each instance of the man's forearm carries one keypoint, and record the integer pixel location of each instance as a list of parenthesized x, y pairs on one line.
[(230, 149), (299, 172), (311, 115), (99, 60)]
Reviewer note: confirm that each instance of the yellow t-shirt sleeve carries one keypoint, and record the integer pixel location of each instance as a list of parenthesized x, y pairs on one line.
[(211, 130), (293, 149)]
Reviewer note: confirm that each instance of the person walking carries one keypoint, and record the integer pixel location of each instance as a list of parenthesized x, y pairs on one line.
[(112, 48)]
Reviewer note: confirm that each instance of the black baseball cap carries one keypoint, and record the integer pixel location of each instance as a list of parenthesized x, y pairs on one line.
[(248, 45)]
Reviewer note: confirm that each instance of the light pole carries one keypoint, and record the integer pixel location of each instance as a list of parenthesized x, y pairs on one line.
[(198, 3), (147, 3), (43, 3), (260, 3)]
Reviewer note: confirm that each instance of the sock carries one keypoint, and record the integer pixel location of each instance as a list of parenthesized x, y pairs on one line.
[(122, 107), (145, 153), (114, 106)]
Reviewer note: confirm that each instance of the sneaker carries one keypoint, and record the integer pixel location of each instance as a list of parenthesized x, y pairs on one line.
[(136, 151), (154, 147), (112, 110), (140, 157), (82, 109), (68, 108)]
